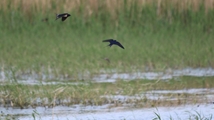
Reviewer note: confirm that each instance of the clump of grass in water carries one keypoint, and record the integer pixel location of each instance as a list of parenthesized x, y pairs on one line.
[(3, 116), (19, 95), (198, 116), (157, 114), (192, 116), (35, 114)]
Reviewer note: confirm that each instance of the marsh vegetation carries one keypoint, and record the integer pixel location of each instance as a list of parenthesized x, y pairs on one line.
[(157, 35)]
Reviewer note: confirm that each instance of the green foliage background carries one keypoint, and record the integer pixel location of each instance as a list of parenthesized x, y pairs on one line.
[(155, 38)]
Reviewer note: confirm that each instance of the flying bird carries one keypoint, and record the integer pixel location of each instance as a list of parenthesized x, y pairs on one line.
[(63, 16), (113, 42)]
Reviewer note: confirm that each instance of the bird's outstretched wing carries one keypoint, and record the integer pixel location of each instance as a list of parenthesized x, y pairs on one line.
[(108, 40), (63, 18), (120, 45)]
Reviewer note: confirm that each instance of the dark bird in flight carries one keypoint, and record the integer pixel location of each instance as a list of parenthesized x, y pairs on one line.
[(113, 42), (63, 16)]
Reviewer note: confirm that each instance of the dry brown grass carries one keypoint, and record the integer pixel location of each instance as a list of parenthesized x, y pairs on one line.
[(93, 6)]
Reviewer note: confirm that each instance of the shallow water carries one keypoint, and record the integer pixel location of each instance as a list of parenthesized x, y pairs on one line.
[(205, 94), (126, 111), (168, 74), (183, 112), (33, 78), (97, 113)]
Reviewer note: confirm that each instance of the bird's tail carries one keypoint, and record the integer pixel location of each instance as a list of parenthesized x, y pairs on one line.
[(56, 16)]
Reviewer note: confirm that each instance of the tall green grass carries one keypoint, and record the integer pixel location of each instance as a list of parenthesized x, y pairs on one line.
[(155, 35)]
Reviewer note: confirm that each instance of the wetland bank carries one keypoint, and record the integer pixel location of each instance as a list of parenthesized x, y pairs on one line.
[(48, 64)]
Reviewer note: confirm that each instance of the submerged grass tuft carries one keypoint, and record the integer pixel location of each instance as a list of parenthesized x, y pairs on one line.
[(198, 116)]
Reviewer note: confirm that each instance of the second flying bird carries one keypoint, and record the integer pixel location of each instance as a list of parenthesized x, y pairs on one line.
[(64, 16), (113, 42)]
